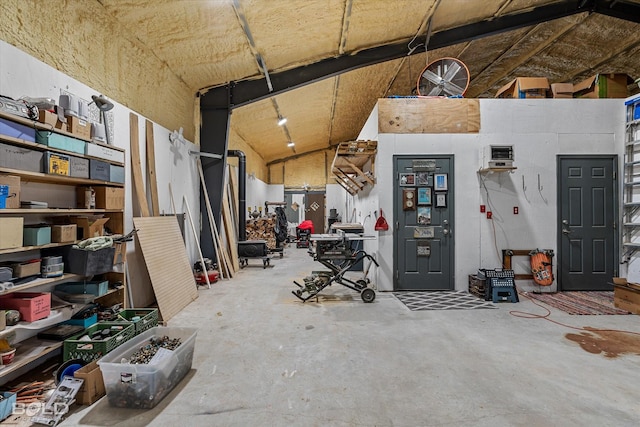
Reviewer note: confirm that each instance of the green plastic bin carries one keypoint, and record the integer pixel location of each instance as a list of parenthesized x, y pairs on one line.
[(88, 351)]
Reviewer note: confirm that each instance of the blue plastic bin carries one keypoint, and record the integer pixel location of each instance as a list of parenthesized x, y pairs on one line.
[(6, 404), (85, 323), (4, 193)]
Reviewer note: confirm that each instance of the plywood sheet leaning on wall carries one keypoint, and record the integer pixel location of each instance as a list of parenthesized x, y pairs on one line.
[(166, 258), (428, 115)]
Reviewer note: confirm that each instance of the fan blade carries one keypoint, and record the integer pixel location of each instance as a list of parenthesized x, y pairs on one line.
[(451, 72), (453, 89), (432, 77), (435, 91)]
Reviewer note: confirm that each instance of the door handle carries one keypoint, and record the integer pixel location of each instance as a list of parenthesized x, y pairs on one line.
[(445, 227), (565, 227)]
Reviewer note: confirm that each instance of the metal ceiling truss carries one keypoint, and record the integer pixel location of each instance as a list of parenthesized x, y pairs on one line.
[(218, 102), (244, 92)]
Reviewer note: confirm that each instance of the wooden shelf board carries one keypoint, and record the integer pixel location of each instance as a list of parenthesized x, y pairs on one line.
[(33, 248), (41, 282), (56, 179), (58, 211), (27, 353)]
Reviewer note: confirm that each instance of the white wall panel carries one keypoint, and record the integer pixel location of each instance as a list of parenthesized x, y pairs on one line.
[(22, 75), (539, 130)]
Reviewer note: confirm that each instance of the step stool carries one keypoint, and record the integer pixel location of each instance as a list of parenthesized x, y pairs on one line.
[(504, 294)]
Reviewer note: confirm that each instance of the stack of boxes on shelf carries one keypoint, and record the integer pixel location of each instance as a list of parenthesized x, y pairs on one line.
[(55, 157), (597, 86), (20, 151)]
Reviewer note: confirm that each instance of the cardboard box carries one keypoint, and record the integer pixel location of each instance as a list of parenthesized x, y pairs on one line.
[(104, 197), (13, 200), (104, 152), (525, 87), (17, 130), (93, 387), (56, 164), (109, 197), (36, 235), (31, 305), (79, 127), (603, 86), (11, 232), (52, 119), (64, 233), (26, 268), (3, 320), (627, 297), (99, 170), (20, 158), (89, 226), (562, 90)]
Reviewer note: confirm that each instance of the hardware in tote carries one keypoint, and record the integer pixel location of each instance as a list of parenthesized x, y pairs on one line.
[(334, 251)]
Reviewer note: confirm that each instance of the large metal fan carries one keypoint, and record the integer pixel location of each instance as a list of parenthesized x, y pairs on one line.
[(444, 77)]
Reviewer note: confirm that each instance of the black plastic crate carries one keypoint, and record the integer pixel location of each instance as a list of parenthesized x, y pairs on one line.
[(88, 263)]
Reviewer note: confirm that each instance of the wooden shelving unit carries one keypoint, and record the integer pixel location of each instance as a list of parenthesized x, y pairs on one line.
[(353, 165), (42, 282), (30, 350)]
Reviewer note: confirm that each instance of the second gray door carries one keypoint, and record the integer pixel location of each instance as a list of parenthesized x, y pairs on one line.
[(587, 198)]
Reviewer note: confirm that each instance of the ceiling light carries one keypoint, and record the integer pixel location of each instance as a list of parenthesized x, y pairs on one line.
[(291, 144), (282, 121)]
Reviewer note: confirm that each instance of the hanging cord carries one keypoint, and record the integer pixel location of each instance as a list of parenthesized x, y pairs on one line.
[(527, 315), (493, 224)]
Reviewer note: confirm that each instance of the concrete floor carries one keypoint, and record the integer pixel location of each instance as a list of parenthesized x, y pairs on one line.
[(264, 358)]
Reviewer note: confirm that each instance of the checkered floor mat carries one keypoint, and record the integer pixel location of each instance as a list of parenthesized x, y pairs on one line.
[(442, 300)]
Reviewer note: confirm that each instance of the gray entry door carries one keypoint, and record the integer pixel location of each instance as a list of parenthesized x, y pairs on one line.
[(587, 200), (423, 242)]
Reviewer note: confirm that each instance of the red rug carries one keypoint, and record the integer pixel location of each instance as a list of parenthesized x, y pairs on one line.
[(592, 302)]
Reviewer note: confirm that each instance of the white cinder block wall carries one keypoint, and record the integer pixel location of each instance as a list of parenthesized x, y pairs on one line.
[(539, 130), (22, 75)]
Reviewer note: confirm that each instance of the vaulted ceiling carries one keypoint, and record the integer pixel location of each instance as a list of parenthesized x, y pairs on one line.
[(323, 64)]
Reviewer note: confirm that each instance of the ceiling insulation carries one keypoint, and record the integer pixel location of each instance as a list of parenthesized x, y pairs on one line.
[(205, 45)]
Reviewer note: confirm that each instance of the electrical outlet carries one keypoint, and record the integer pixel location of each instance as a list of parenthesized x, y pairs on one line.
[(515, 210), (489, 215), (483, 208)]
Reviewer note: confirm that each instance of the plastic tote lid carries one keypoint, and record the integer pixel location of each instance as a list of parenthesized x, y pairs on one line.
[(381, 223)]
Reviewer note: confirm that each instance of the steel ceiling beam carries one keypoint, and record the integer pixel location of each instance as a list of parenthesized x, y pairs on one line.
[(618, 9), (244, 92)]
